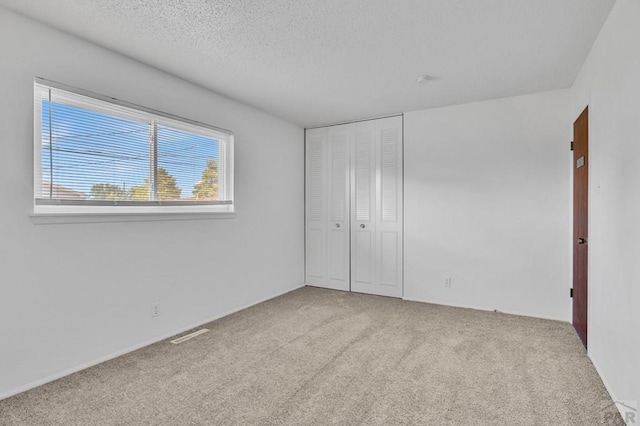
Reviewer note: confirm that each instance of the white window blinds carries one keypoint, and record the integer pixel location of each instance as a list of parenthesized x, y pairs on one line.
[(97, 151)]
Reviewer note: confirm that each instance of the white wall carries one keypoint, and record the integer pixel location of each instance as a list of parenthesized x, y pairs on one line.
[(74, 294), (609, 83), (487, 203)]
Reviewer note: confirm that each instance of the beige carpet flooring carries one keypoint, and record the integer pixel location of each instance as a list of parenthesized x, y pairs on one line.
[(317, 356)]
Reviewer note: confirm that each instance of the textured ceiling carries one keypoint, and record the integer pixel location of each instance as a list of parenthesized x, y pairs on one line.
[(315, 62)]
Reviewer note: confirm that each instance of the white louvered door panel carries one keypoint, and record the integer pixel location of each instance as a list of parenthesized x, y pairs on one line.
[(316, 204), (376, 245), (389, 237), (363, 209), (338, 209)]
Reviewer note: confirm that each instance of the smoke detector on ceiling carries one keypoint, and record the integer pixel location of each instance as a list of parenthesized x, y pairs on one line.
[(424, 79)]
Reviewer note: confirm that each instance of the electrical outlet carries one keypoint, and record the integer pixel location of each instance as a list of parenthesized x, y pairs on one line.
[(155, 309), (447, 282)]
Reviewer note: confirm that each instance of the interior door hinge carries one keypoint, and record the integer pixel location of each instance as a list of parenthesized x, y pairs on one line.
[(571, 145), (571, 293)]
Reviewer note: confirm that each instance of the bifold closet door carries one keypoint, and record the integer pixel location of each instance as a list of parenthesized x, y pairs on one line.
[(327, 205), (354, 207), (376, 206)]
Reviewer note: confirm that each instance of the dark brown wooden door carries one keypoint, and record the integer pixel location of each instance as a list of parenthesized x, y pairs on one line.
[(580, 222)]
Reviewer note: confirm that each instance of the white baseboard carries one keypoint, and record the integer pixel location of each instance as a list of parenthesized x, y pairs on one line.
[(477, 308), (116, 354), (606, 385)]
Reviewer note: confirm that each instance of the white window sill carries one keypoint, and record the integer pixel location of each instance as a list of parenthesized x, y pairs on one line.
[(51, 218)]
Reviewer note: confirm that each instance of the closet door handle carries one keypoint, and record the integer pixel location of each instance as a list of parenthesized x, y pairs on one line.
[(362, 225), (337, 225)]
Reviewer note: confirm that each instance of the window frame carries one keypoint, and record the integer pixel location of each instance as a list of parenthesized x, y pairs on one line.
[(134, 210)]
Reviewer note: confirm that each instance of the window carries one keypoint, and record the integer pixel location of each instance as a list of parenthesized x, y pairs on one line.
[(95, 154)]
